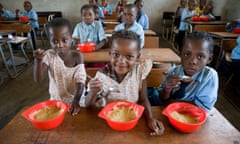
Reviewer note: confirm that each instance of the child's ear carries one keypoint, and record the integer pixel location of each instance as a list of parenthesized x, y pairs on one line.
[(210, 59)]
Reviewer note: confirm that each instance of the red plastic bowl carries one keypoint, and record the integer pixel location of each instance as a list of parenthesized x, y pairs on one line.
[(46, 124), (105, 12), (23, 18), (195, 18), (236, 30), (205, 19), (86, 47), (186, 108), (121, 126)]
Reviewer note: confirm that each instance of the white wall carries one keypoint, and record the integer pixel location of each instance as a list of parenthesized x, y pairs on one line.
[(228, 9)]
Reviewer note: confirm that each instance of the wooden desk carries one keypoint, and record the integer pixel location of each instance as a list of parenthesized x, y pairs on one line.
[(192, 24), (6, 32), (164, 55), (146, 32), (227, 43), (88, 128)]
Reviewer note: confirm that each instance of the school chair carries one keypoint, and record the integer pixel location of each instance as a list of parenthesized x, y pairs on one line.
[(174, 33), (151, 42), (167, 24), (43, 20), (155, 77)]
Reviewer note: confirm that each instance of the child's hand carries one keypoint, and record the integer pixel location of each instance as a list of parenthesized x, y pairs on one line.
[(95, 85), (173, 81), (39, 54), (156, 126), (75, 108)]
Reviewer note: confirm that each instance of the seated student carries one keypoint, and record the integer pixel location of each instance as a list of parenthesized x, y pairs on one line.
[(207, 12), (126, 74), (100, 11), (197, 52), (235, 55), (107, 10), (187, 14), (119, 9), (33, 17), (129, 16), (89, 30), (142, 17), (199, 9), (6, 14), (181, 7), (64, 66)]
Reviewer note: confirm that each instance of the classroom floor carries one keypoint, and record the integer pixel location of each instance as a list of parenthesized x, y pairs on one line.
[(23, 91)]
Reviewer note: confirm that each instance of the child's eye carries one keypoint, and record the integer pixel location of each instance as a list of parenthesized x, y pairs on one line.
[(115, 55), (201, 56), (65, 40), (186, 54), (130, 57), (55, 41)]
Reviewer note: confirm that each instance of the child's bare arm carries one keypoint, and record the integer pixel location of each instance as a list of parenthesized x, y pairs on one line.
[(95, 86), (75, 107), (172, 81), (153, 123), (100, 45), (39, 69)]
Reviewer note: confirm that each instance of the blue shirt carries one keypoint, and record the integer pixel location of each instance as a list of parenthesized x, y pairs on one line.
[(236, 51), (202, 92), (186, 13), (100, 13), (93, 32), (108, 9), (7, 14), (31, 15), (143, 21), (135, 28)]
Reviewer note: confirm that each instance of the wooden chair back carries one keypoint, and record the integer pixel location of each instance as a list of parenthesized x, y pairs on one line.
[(112, 17), (18, 27), (42, 20), (210, 28), (155, 77), (151, 42)]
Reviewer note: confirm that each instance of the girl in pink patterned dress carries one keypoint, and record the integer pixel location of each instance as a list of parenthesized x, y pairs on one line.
[(124, 77), (65, 67)]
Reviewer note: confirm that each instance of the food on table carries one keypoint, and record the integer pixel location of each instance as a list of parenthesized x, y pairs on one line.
[(186, 118), (122, 114), (47, 113)]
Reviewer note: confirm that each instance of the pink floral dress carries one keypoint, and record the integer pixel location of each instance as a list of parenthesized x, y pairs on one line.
[(130, 86), (63, 79)]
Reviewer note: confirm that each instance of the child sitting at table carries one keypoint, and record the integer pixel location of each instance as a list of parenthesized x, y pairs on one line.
[(127, 75), (119, 9), (33, 17), (142, 17), (64, 66), (5, 14), (129, 15), (89, 30), (207, 12), (107, 10), (201, 86), (187, 14)]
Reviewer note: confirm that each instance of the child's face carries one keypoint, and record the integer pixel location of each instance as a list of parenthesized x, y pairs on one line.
[(60, 39), (91, 2), (129, 15), (88, 16), (191, 5), (104, 2), (27, 6), (195, 55), (123, 54), (139, 4), (183, 3)]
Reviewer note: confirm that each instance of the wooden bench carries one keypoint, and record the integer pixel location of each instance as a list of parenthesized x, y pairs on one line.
[(210, 28)]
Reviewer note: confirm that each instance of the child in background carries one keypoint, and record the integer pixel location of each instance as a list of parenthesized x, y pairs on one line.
[(33, 17), (202, 86), (142, 17), (64, 66), (5, 14), (207, 12), (129, 15), (181, 8), (199, 9), (89, 30), (125, 74), (187, 14), (100, 10), (107, 10), (119, 8)]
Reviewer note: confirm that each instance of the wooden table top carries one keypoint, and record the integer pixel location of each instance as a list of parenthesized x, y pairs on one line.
[(206, 23), (225, 34), (88, 128), (165, 55), (146, 32), (6, 32)]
